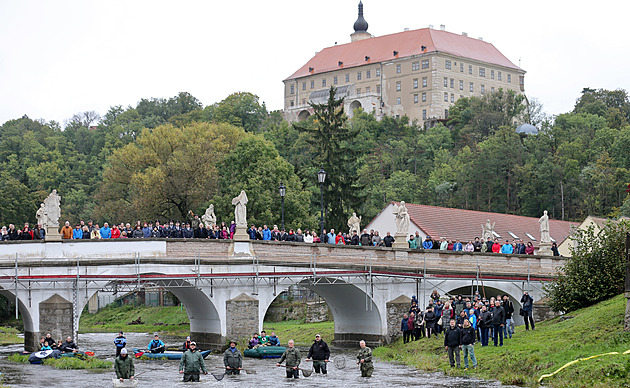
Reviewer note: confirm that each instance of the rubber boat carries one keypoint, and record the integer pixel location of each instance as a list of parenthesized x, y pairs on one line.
[(168, 355), (265, 352)]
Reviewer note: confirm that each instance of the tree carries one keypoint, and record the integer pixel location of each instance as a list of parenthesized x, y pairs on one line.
[(166, 172), (241, 109), (333, 146), (255, 166), (594, 272)]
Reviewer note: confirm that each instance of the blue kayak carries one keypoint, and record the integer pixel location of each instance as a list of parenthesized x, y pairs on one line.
[(168, 355)]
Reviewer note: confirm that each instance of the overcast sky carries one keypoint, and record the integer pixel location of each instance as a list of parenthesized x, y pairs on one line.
[(58, 58)]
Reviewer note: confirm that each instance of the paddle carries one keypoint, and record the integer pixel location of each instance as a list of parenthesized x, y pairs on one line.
[(305, 372)]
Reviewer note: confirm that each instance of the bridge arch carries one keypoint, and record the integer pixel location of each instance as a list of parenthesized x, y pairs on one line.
[(356, 316)]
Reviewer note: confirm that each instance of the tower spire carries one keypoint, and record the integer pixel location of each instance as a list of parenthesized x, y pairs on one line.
[(360, 26)]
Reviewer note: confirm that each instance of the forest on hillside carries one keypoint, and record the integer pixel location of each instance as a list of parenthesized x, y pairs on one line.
[(164, 157)]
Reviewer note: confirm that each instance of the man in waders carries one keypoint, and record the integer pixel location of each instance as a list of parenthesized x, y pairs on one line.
[(191, 362), (124, 366), (292, 356), (364, 359), (320, 354), (233, 360), (120, 343)]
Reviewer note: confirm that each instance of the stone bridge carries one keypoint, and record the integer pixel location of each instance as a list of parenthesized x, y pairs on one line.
[(227, 286)]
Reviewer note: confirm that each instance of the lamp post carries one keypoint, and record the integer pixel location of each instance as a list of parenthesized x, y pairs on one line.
[(283, 190), (321, 177)]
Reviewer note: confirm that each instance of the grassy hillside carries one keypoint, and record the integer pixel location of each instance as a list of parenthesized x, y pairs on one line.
[(166, 320), (529, 354), (303, 334)]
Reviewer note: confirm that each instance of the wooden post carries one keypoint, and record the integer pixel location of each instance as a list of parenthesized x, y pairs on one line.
[(627, 317)]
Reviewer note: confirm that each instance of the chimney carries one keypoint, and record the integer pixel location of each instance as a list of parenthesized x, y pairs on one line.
[(442, 27), (464, 33), (480, 38), (406, 29), (431, 26)]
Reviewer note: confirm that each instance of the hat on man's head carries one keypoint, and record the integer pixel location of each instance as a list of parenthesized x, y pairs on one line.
[(193, 343), (123, 351)]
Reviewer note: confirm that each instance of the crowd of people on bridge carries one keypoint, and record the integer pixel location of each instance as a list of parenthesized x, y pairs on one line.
[(194, 228), (465, 321)]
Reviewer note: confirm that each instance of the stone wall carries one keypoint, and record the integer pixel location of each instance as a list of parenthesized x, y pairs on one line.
[(310, 312), (395, 310), (55, 317), (241, 317)]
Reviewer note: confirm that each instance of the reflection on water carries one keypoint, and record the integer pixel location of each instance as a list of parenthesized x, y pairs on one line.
[(165, 373)]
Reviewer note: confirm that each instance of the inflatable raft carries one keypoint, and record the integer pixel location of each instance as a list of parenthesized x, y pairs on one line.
[(265, 352), (166, 355)]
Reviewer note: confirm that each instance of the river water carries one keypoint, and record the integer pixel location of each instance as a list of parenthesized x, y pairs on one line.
[(165, 374)]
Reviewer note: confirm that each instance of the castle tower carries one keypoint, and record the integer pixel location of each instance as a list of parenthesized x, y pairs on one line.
[(360, 27)]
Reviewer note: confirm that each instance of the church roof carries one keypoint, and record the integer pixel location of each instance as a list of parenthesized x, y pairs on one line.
[(465, 225), (406, 44)]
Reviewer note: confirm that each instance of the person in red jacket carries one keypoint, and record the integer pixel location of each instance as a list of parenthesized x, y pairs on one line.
[(339, 239), (496, 248), (115, 232)]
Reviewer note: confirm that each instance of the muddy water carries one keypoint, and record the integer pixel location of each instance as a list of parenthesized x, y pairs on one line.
[(165, 373)]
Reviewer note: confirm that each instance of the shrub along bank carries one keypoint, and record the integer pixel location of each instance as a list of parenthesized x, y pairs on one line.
[(530, 354)]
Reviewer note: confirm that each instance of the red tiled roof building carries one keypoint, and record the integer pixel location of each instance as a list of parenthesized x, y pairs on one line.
[(418, 73)]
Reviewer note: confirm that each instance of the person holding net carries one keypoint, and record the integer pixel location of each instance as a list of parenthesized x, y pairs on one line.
[(320, 354)]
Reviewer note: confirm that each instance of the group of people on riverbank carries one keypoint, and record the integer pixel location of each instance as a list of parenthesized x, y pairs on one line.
[(464, 321), (48, 343)]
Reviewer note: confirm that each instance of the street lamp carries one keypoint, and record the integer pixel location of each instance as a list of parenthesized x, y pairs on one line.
[(321, 177), (283, 190)]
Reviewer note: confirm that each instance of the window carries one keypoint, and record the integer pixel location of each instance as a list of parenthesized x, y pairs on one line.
[(452, 97), (415, 83), (461, 67), (378, 72), (492, 89), (424, 114), (509, 78), (312, 84), (424, 82), (452, 83), (415, 66), (335, 80), (367, 90), (424, 97), (292, 89), (398, 69), (447, 65), (499, 76), (397, 100), (304, 101), (368, 74), (445, 97), (292, 103), (358, 91), (531, 237), (425, 64), (378, 89), (358, 76), (415, 98), (512, 234), (482, 72), (323, 81), (347, 77), (491, 74), (469, 69), (461, 85), (446, 82), (483, 89), (472, 89), (446, 113), (398, 86), (303, 85), (495, 234)]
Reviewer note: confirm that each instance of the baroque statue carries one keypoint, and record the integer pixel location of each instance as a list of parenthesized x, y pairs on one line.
[(402, 218), (545, 237), (240, 210), (50, 211), (42, 219), (487, 231), (354, 223), (209, 218)]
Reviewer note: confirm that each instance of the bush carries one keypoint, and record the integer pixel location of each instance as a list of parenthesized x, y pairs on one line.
[(594, 272)]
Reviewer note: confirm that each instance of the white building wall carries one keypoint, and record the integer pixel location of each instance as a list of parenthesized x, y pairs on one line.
[(385, 222)]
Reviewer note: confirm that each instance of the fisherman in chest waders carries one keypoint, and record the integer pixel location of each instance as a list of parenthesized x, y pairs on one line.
[(233, 360), (124, 366), (364, 360), (191, 363), (292, 357), (320, 354)]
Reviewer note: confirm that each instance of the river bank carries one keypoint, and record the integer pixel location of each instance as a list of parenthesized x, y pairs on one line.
[(530, 354)]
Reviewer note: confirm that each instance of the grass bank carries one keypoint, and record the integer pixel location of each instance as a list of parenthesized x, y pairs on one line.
[(171, 320), (9, 335), (68, 362), (529, 354), (303, 334)]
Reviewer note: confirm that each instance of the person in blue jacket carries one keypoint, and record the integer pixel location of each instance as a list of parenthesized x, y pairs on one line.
[(156, 345), (266, 233), (507, 248), (457, 246), (252, 232), (106, 231), (120, 343), (427, 243), (77, 233)]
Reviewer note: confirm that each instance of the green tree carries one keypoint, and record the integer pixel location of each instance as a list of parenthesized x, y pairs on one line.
[(594, 272), (241, 109)]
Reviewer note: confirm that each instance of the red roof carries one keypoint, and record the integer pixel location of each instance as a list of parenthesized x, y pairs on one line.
[(407, 43), (465, 225)]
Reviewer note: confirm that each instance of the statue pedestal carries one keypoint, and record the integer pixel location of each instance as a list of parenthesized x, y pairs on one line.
[(544, 249), (52, 234), (241, 234), (401, 241)]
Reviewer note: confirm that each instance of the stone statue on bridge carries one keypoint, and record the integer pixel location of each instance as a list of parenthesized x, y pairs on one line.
[(487, 231), (354, 223), (544, 228), (209, 218), (52, 209), (42, 218), (402, 219), (240, 211)]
